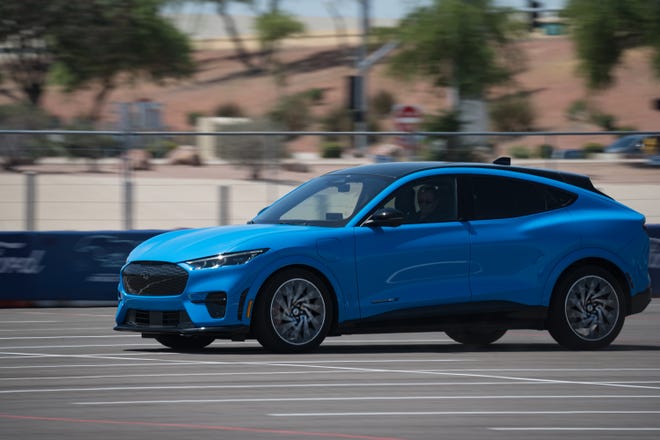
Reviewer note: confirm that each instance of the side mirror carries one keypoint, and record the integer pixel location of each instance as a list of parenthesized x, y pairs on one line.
[(386, 217)]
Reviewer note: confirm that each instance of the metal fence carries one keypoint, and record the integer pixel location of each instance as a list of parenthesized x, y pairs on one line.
[(56, 192)]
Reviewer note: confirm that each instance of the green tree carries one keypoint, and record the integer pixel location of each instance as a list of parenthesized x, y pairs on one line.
[(87, 42), (118, 38), (244, 55), (603, 30), (25, 29), (462, 44), (273, 27), (271, 23)]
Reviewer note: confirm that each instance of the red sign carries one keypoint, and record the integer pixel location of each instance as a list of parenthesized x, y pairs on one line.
[(407, 117)]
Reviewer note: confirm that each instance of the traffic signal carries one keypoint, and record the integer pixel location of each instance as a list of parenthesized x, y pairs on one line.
[(534, 14)]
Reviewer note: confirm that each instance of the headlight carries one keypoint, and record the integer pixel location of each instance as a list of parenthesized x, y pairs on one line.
[(228, 259)]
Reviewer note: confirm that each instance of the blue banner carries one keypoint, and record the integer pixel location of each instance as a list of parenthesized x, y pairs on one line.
[(56, 268), (63, 266)]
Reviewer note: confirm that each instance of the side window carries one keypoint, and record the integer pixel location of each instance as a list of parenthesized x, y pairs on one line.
[(499, 197), (428, 200)]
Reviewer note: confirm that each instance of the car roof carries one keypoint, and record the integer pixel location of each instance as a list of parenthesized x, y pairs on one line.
[(396, 170)]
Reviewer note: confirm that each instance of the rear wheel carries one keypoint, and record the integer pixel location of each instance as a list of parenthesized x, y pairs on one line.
[(185, 342), (293, 312), (587, 309), (476, 336)]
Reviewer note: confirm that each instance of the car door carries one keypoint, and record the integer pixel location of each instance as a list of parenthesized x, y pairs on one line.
[(517, 230), (416, 266)]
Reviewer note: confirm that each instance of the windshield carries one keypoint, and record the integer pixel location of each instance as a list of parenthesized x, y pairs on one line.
[(329, 200)]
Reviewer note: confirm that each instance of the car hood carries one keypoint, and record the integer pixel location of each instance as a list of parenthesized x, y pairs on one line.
[(187, 244)]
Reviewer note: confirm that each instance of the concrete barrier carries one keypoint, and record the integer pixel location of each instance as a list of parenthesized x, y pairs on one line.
[(82, 268)]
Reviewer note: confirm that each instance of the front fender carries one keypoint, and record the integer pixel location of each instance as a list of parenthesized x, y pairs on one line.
[(339, 274)]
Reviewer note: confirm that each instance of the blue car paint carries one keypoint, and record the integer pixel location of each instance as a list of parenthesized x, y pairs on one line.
[(288, 245), (410, 266), (375, 270)]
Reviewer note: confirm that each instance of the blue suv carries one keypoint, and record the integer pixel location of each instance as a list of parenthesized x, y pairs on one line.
[(473, 250)]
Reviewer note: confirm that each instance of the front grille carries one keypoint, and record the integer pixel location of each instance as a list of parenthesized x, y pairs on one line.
[(154, 279), (157, 319)]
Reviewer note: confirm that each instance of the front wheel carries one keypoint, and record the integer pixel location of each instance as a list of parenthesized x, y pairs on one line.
[(476, 336), (293, 312), (587, 309)]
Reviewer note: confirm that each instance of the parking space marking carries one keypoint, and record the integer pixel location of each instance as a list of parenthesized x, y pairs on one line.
[(22, 338), (556, 428), (179, 362), (472, 375), (356, 399), (126, 376), (457, 413), (41, 347)]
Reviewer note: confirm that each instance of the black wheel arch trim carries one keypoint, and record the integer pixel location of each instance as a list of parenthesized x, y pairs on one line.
[(639, 301)]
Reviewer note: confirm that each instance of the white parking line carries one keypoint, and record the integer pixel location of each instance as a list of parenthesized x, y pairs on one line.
[(41, 347), (455, 413), (471, 375), (337, 399), (54, 329), (19, 338), (126, 376), (556, 428)]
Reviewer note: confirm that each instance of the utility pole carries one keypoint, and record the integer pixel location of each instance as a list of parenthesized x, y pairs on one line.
[(361, 89), (358, 83)]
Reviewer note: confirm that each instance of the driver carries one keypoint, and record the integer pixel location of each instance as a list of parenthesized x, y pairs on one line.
[(428, 200)]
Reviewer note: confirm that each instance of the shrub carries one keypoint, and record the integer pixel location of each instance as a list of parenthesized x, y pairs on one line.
[(160, 148), (578, 111), (382, 102), (448, 148), (192, 117), (520, 152), (292, 113), (315, 95), (545, 151), (89, 146), (592, 148), (604, 120), (512, 113), (250, 151), (337, 119), (229, 110), (331, 150), (18, 149)]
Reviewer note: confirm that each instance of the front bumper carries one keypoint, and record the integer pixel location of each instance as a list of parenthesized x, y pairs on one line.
[(235, 333)]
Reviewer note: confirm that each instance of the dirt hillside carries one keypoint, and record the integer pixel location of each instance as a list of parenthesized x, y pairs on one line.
[(550, 75)]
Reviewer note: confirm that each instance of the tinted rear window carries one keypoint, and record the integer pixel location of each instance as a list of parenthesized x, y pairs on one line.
[(499, 197)]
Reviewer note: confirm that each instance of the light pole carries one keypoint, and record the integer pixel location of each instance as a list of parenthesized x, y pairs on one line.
[(361, 89)]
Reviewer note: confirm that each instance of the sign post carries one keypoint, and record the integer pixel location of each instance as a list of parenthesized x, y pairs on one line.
[(407, 118)]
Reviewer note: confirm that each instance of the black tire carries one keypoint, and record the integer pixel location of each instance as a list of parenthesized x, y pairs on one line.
[(293, 312), (476, 336), (185, 342), (587, 310)]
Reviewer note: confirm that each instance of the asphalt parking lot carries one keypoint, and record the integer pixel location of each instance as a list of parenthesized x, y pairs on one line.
[(65, 374)]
